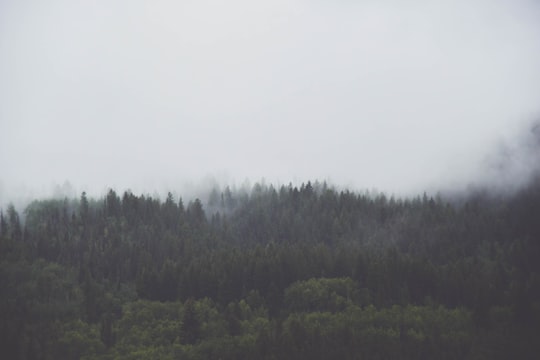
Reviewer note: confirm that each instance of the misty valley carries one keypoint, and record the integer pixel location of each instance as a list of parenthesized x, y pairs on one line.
[(287, 272)]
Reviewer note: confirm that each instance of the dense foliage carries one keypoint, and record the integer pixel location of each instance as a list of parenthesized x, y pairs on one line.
[(289, 273)]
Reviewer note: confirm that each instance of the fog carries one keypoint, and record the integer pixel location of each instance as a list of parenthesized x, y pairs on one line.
[(401, 96)]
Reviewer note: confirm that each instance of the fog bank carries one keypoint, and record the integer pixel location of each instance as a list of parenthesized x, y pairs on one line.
[(399, 96)]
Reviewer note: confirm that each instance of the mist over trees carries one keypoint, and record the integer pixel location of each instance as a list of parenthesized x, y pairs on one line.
[(434, 96), (286, 272)]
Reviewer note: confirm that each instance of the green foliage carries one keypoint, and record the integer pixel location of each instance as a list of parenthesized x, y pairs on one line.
[(321, 295), (78, 340), (286, 273)]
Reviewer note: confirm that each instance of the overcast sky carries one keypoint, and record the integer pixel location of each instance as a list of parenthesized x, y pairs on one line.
[(401, 96)]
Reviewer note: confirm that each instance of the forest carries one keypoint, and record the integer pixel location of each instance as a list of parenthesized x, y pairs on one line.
[(285, 272)]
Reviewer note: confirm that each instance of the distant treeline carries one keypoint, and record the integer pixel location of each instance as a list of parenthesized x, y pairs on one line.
[(304, 272)]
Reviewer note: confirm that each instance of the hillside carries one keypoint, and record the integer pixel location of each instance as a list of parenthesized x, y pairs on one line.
[(272, 273)]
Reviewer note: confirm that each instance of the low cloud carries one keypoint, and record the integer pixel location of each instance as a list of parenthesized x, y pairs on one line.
[(373, 94)]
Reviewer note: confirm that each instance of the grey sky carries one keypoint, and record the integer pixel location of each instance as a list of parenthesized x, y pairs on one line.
[(398, 95)]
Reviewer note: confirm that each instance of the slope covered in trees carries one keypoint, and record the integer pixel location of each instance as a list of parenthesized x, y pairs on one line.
[(274, 273)]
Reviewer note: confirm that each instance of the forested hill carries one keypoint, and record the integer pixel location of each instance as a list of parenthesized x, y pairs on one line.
[(305, 272)]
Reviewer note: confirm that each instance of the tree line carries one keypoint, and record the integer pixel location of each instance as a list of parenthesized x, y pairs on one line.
[(272, 273)]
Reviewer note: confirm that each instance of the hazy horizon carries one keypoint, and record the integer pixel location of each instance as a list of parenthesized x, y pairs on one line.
[(161, 96)]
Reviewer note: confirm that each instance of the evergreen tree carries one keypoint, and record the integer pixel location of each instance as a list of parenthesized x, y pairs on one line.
[(190, 330)]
